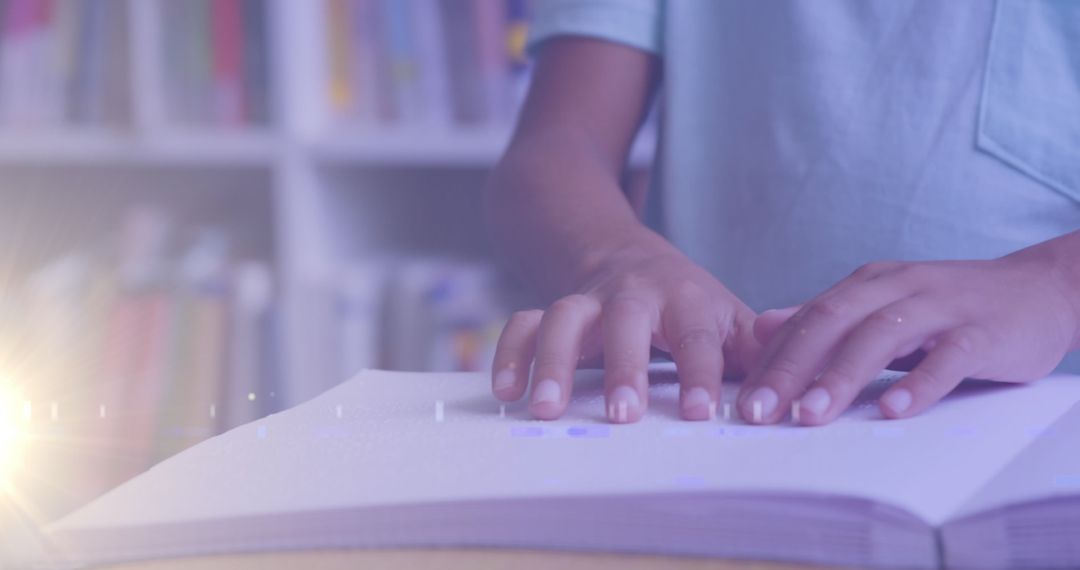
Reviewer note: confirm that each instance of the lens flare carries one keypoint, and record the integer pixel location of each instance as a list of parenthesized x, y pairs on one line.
[(14, 414)]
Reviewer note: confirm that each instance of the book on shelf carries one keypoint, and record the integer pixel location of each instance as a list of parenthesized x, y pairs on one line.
[(63, 63), (417, 314), (149, 342), (988, 478), (216, 62), (425, 62)]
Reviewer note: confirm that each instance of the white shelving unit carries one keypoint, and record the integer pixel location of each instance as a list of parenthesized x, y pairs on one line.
[(320, 193)]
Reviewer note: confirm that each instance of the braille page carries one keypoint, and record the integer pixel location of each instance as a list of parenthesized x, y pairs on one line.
[(1028, 515), (1048, 468), (410, 438)]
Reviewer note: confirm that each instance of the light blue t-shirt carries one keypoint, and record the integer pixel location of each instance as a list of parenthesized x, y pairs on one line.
[(803, 139)]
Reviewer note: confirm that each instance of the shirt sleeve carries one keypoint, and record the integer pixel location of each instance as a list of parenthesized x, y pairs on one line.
[(636, 23)]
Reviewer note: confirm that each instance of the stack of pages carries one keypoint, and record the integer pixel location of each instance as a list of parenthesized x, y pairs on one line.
[(988, 478)]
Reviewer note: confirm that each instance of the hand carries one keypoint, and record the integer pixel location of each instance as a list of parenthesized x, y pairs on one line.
[(1009, 319), (636, 300)]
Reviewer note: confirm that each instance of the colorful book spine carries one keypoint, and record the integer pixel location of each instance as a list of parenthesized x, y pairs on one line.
[(257, 80), (374, 100), (489, 27), (434, 83), (341, 54), (227, 36)]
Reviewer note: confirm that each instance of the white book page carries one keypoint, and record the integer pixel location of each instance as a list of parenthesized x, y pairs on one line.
[(394, 438)]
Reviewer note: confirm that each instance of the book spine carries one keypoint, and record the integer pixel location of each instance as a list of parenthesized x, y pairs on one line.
[(431, 59), (45, 91), (517, 37), (368, 62), (361, 295), (227, 39), (387, 110), (461, 45), (198, 63), (96, 29), (17, 23), (246, 393), (116, 101), (78, 105), (339, 47), (490, 28), (257, 62), (402, 60), (65, 57)]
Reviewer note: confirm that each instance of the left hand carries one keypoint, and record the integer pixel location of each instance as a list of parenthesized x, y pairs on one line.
[(1010, 319)]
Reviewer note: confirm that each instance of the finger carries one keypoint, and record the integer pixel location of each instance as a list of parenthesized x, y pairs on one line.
[(956, 355), (514, 355), (768, 323), (558, 348), (804, 345), (867, 350), (694, 337), (627, 325)]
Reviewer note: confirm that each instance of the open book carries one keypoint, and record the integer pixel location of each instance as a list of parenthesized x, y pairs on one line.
[(988, 478)]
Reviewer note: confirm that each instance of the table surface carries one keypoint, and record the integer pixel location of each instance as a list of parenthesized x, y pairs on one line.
[(452, 559)]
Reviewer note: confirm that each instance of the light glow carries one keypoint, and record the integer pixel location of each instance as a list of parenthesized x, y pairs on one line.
[(14, 415)]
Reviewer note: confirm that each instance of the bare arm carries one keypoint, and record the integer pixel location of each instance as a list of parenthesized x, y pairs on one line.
[(554, 203), (560, 219)]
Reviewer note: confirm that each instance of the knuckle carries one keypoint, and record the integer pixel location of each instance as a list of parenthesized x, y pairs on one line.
[(923, 380), (627, 304), (883, 321), (841, 374), (554, 361), (629, 282), (917, 273), (827, 309), (687, 291), (962, 341), (694, 337), (782, 371), (621, 370), (868, 270), (571, 304)]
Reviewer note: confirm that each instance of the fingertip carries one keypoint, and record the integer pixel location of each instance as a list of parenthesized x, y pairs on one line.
[(506, 386), (624, 405), (697, 404), (760, 406), (547, 400), (896, 403), (813, 407)]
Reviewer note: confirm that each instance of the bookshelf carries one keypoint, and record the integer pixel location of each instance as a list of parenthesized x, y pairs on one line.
[(303, 190)]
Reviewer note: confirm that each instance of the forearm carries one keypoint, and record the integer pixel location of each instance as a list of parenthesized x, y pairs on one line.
[(556, 211)]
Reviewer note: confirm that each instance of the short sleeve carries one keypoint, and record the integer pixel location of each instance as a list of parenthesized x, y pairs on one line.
[(636, 23)]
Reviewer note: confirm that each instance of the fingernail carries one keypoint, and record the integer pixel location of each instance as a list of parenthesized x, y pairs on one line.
[(623, 399), (816, 401), (763, 402), (547, 392), (897, 400), (504, 380), (697, 402)]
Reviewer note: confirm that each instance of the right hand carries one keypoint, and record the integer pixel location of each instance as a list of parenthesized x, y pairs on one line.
[(634, 301)]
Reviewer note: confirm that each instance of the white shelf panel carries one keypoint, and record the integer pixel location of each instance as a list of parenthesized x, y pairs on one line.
[(415, 147), (479, 147), (99, 146)]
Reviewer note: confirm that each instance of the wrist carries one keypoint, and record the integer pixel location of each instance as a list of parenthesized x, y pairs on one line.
[(1062, 265), (628, 246)]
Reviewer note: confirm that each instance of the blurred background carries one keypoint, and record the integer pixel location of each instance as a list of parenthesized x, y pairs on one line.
[(211, 210)]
